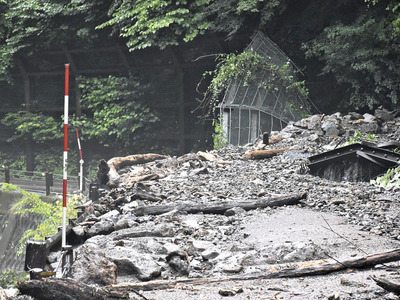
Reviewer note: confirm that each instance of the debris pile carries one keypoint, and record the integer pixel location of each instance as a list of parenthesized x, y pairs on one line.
[(239, 211)]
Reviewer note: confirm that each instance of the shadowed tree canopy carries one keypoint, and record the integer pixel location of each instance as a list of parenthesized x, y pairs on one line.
[(355, 42), (349, 48)]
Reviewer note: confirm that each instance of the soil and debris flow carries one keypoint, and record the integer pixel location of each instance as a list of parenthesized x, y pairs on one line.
[(217, 224)]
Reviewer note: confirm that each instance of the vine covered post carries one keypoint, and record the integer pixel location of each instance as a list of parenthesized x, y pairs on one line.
[(65, 157)]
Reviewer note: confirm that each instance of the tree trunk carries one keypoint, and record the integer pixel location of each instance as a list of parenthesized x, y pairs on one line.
[(261, 154), (65, 289), (221, 207), (117, 163), (356, 263), (387, 285), (69, 289)]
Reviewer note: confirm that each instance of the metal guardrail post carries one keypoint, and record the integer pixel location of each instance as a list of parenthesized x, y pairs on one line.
[(94, 192), (49, 182), (36, 255), (266, 138), (83, 184), (7, 175)]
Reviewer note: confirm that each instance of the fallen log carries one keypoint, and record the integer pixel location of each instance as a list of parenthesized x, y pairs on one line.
[(387, 285), (70, 289), (261, 154), (117, 163), (65, 289), (221, 207), (108, 171), (326, 268)]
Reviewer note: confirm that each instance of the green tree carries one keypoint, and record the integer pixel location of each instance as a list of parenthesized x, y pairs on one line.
[(364, 57), (113, 115), (393, 6), (28, 125), (160, 23), (32, 25)]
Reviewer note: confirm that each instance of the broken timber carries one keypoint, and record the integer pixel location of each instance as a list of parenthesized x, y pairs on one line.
[(261, 154), (356, 263), (63, 289), (387, 285), (221, 207), (116, 163)]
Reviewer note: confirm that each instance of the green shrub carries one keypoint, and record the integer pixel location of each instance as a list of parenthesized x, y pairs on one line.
[(50, 211), (219, 135), (9, 279)]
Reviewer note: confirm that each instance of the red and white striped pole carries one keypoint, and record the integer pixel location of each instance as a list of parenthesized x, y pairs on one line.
[(65, 158), (80, 163)]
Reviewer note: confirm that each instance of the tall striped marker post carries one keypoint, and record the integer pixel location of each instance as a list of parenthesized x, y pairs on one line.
[(65, 158), (80, 162)]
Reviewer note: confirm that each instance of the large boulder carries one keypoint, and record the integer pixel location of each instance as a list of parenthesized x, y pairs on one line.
[(92, 267), (131, 262)]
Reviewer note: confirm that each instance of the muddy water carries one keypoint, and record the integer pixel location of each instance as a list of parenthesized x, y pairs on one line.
[(11, 229)]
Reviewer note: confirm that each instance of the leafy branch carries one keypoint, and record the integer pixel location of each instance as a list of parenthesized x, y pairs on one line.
[(50, 213), (254, 69)]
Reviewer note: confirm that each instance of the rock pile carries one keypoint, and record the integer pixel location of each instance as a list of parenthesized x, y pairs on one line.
[(118, 244)]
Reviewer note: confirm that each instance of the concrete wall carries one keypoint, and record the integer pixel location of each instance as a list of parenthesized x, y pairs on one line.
[(11, 229)]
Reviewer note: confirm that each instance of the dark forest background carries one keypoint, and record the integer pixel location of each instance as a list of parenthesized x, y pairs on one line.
[(137, 68)]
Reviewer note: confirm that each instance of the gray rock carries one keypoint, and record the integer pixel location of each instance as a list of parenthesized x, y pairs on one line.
[(383, 114), (368, 118), (191, 223), (232, 264), (79, 230), (112, 215), (331, 128), (355, 115), (126, 221), (202, 245), (209, 254), (102, 227), (291, 252), (131, 262), (371, 127), (92, 267), (234, 211), (179, 264)]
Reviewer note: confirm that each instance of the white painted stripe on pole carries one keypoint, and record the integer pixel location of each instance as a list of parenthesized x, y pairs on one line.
[(66, 100), (65, 165), (64, 230)]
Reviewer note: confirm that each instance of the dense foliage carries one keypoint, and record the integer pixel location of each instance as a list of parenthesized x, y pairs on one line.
[(254, 69), (112, 114), (51, 213), (161, 23), (347, 47), (364, 56), (358, 44), (29, 125), (9, 279), (30, 26)]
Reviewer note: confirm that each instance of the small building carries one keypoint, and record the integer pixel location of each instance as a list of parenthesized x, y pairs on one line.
[(248, 110)]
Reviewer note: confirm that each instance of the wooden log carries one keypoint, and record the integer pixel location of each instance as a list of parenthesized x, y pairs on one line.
[(66, 289), (275, 139), (261, 154), (221, 207), (117, 163), (54, 241), (356, 263), (387, 285), (69, 289)]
